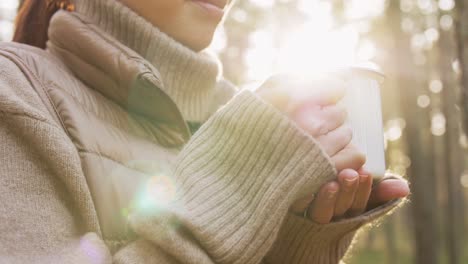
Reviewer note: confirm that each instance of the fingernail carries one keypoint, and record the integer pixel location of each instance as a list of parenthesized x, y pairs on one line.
[(350, 177), (364, 171), (364, 178), (331, 194), (348, 182)]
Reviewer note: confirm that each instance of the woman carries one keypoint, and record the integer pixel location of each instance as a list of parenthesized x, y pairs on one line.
[(100, 161)]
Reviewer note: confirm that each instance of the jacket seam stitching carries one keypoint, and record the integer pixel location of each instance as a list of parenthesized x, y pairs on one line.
[(28, 74), (26, 115), (86, 109), (86, 151)]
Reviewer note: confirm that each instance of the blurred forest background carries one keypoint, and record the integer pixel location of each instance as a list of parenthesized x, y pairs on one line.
[(422, 46)]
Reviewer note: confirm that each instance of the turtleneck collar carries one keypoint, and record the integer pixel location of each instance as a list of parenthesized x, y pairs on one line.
[(189, 78)]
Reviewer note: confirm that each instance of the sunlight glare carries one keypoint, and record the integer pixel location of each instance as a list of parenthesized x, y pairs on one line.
[(310, 8), (260, 57), (6, 30), (366, 51), (9, 4), (316, 46), (311, 49), (219, 42), (161, 189), (263, 3), (239, 15), (359, 9), (159, 192)]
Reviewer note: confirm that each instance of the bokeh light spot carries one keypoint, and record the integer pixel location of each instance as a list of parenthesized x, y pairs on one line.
[(424, 101), (91, 250), (446, 5), (438, 124), (436, 86), (463, 140), (446, 22), (161, 190), (464, 179), (124, 212)]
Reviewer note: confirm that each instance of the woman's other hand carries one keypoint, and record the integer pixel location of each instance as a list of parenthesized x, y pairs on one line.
[(349, 196)]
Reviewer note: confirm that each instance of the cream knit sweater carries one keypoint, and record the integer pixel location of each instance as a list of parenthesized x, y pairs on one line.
[(233, 180)]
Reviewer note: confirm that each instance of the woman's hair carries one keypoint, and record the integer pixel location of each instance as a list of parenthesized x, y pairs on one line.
[(33, 19)]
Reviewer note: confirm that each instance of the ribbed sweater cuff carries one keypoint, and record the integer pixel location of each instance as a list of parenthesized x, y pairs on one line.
[(303, 241), (239, 175)]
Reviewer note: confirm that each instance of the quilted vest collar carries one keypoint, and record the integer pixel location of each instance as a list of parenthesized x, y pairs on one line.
[(190, 78), (114, 70)]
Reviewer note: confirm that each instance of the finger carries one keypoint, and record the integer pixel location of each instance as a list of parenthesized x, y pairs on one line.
[(302, 204), (288, 92), (279, 98), (323, 206), (335, 116), (387, 190), (336, 140), (362, 195), (320, 121), (322, 92), (349, 158), (349, 181)]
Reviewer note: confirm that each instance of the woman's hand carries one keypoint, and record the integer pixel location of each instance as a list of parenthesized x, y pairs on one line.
[(312, 106), (350, 195)]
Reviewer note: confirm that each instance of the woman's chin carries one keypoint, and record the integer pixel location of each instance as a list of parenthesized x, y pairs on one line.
[(198, 42)]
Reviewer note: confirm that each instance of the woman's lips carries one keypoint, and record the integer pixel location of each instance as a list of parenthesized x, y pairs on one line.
[(213, 7), (218, 3)]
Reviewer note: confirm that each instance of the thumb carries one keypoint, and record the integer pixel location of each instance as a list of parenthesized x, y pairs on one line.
[(388, 190)]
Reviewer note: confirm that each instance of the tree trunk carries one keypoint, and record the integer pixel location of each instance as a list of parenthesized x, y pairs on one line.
[(411, 82), (461, 25), (390, 241), (454, 215)]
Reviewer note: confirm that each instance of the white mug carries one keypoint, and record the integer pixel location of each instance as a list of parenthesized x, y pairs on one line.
[(363, 103)]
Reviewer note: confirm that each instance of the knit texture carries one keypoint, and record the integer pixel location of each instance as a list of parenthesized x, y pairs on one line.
[(190, 78), (235, 212)]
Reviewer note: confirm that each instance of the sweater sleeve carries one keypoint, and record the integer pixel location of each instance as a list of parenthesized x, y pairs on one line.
[(236, 180), (301, 240)]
